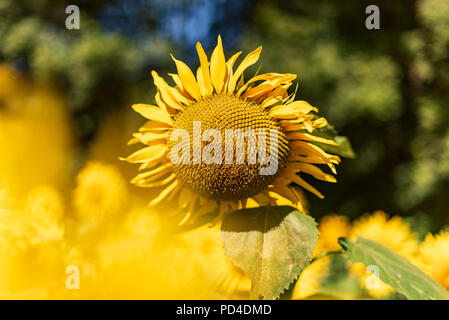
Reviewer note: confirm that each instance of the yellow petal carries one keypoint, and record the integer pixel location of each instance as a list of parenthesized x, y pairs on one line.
[(292, 96), (153, 113), (168, 93), (151, 137), (312, 170), (251, 203), (133, 141), (275, 79), (291, 110), (177, 80), (310, 137), (304, 122), (163, 105), (204, 69), (232, 59), (185, 197), (249, 60), (206, 206), (304, 148), (164, 193), (276, 96), (307, 149), (218, 67), (229, 65), (283, 191), (298, 180), (153, 174), (186, 217), (173, 194), (163, 182), (293, 126), (188, 79), (228, 75), (201, 83), (257, 92), (313, 159), (154, 126), (319, 123), (301, 202), (186, 98), (147, 154), (279, 200)]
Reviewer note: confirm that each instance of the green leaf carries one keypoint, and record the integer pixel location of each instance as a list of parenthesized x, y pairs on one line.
[(394, 270), (344, 148), (271, 244)]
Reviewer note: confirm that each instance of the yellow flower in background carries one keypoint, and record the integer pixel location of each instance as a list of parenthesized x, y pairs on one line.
[(309, 282), (35, 137), (42, 216), (219, 98), (110, 141), (142, 262), (11, 84), (128, 266), (331, 228), (392, 233), (433, 257), (32, 247), (101, 191), (35, 220), (215, 266)]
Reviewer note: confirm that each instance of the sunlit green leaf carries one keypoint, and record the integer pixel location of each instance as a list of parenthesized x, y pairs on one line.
[(271, 244), (394, 270)]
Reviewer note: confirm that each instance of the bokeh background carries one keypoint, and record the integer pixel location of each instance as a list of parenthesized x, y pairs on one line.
[(387, 90)]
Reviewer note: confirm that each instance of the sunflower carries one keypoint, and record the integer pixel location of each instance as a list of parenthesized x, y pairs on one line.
[(42, 215), (433, 257), (31, 115), (309, 282), (392, 233), (214, 265), (101, 191), (331, 228), (218, 99)]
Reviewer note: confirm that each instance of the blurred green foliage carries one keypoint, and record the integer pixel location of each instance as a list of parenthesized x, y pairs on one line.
[(97, 68), (387, 89)]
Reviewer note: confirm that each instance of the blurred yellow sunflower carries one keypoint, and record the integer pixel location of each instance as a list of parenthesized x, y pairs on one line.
[(392, 233), (34, 120), (331, 228), (219, 100), (101, 191), (309, 282), (213, 264), (433, 257), (42, 215), (142, 261)]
